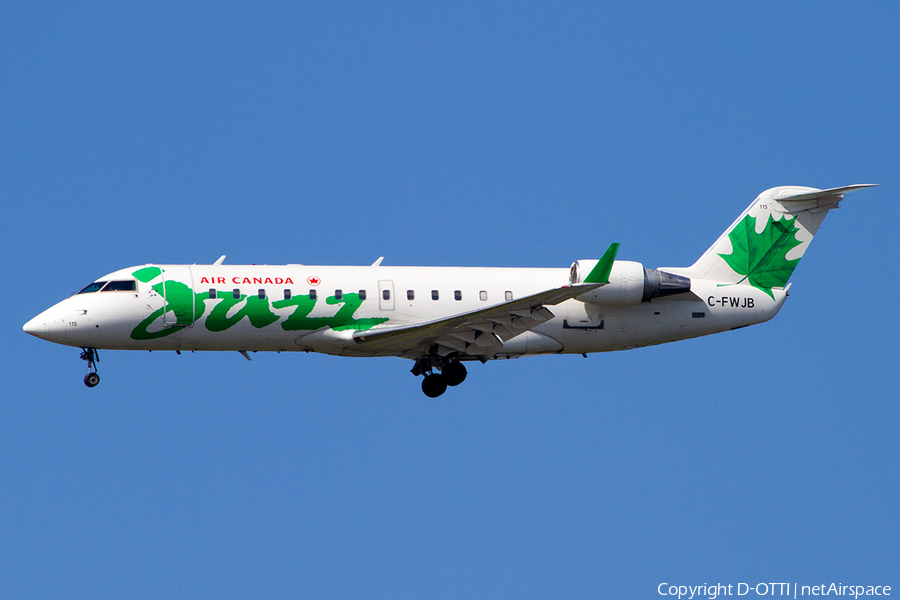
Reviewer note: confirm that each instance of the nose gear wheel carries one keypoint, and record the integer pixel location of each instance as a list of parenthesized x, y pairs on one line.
[(92, 357)]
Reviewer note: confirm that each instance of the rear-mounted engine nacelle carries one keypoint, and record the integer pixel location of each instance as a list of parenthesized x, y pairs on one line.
[(629, 283)]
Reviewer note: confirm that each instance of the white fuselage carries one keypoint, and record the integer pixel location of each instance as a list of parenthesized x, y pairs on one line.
[(319, 308)]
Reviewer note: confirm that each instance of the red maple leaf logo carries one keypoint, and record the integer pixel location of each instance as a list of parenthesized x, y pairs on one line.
[(313, 281)]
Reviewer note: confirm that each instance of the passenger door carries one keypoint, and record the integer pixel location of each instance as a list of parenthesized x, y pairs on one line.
[(178, 294), (386, 295)]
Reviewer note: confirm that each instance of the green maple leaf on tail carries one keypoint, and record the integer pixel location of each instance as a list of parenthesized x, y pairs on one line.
[(762, 257)]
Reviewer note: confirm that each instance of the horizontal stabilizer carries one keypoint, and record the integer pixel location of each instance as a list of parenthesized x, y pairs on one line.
[(840, 191)]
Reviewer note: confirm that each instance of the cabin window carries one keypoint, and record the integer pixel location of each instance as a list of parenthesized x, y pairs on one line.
[(482, 295), (237, 293), (92, 287), (362, 294), (287, 294), (312, 294), (262, 294), (698, 315), (457, 295), (338, 294), (121, 286), (212, 293), (386, 294), (508, 295), (410, 295), (435, 295)]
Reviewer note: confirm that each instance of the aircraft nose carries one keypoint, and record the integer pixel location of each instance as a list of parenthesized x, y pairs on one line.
[(49, 325), (36, 326)]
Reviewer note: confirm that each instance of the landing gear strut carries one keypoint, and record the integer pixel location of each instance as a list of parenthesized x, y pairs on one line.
[(452, 373), (92, 358)]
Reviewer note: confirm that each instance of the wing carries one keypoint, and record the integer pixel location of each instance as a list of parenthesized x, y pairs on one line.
[(479, 333)]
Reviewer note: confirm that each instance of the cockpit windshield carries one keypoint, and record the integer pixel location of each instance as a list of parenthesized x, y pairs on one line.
[(121, 286), (93, 287), (127, 285)]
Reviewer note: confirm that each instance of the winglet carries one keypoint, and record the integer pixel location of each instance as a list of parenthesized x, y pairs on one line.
[(600, 272)]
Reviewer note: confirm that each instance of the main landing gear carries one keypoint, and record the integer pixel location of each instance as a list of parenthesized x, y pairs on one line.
[(92, 358), (451, 374)]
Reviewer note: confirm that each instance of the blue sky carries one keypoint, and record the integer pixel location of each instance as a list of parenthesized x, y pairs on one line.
[(515, 134)]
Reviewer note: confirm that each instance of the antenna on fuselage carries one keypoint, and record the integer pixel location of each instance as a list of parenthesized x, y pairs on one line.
[(377, 263), (220, 260)]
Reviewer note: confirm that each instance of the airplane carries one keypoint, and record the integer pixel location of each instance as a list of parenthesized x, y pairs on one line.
[(443, 317)]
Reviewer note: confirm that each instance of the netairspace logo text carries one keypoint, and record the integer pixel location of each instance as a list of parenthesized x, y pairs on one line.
[(793, 590)]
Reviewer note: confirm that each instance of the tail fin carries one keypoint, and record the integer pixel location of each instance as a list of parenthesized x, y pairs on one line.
[(763, 246)]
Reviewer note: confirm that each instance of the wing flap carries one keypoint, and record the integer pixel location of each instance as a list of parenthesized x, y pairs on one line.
[(455, 344)]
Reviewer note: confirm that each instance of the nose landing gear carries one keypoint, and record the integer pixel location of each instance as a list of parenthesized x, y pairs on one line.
[(92, 357)]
